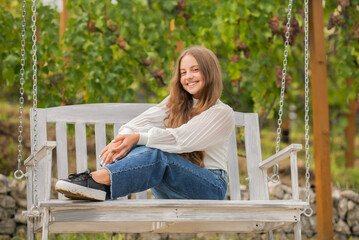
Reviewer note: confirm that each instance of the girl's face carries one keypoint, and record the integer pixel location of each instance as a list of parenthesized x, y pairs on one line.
[(191, 77)]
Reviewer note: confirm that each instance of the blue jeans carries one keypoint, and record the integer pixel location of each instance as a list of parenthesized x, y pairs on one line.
[(167, 174)]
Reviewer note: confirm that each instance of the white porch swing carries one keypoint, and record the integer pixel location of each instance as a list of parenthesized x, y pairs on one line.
[(259, 214)]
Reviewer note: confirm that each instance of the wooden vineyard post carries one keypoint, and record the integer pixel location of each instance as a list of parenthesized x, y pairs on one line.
[(63, 18), (320, 120), (350, 131)]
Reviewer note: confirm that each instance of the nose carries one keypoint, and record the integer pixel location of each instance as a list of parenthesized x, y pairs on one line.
[(189, 75)]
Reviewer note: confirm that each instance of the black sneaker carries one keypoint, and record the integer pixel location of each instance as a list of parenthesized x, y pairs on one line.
[(81, 186)]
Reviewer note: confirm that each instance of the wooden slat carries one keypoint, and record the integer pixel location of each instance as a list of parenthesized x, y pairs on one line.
[(97, 113), (233, 171), (258, 188), (215, 227), (294, 175), (279, 156), (239, 119), (116, 127), (174, 203), (143, 227), (180, 215), (42, 151), (141, 195), (81, 147), (100, 138), (61, 150)]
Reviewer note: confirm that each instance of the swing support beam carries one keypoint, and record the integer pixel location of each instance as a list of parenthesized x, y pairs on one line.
[(320, 120)]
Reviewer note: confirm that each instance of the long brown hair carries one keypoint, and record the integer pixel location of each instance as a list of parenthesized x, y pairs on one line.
[(180, 103)]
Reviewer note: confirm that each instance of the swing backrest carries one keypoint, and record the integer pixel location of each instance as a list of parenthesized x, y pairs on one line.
[(117, 114)]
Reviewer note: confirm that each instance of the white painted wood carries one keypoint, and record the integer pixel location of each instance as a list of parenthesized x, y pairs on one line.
[(239, 119), (175, 203), (298, 230), (61, 150), (100, 138), (258, 188), (279, 156), (41, 154), (61, 153), (172, 214), (81, 147), (116, 127), (233, 171), (142, 227), (141, 195), (294, 175), (45, 228), (97, 113), (47, 175)]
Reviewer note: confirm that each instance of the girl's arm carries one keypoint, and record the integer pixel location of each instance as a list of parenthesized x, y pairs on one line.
[(207, 129)]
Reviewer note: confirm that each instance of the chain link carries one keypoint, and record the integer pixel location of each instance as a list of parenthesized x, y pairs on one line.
[(19, 173), (34, 78), (308, 211), (275, 177)]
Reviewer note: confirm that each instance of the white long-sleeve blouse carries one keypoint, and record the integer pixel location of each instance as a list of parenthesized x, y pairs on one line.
[(208, 132)]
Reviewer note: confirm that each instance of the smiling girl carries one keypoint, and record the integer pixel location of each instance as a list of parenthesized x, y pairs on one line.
[(178, 148)]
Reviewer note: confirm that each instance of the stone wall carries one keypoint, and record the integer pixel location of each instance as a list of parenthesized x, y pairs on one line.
[(12, 203), (345, 215)]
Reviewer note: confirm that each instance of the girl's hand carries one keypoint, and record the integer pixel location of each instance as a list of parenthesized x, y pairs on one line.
[(118, 148)]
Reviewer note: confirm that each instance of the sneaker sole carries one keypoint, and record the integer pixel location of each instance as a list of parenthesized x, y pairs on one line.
[(77, 192)]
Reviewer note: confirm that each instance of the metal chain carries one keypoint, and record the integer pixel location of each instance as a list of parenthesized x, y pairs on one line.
[(34, 78), (275, 177), (308, 211), (19, 173)]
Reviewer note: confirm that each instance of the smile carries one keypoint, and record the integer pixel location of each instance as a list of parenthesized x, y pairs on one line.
[(191, 84)]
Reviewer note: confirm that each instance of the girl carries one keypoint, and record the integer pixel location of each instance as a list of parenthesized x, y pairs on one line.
[(177, 148)]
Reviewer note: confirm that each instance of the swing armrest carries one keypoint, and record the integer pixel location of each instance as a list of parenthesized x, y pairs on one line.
[(279, 156), (41, 153)]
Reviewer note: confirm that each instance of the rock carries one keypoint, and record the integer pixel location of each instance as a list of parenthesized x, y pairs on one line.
[(313, 223), (4, 184), (7, 202), (353, 216), (342, 227), (335, 215), (288, 228), (351, 205), (276, 189), (287, 189), (305, 224), (6, 213), (18, 192), (351, 195), (7, 226), (19, 218), (287, 196), (342, 208), (355, 230), (336, 197)]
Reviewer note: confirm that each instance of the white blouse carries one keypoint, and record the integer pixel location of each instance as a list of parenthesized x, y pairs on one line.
[(208, 132)]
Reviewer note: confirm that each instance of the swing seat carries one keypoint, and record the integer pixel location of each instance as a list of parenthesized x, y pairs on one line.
[(259, 214)]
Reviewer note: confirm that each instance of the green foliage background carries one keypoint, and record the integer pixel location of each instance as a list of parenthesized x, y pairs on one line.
[(124, 51)]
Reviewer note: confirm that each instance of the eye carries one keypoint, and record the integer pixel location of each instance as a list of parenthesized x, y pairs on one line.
[(182, 73)]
